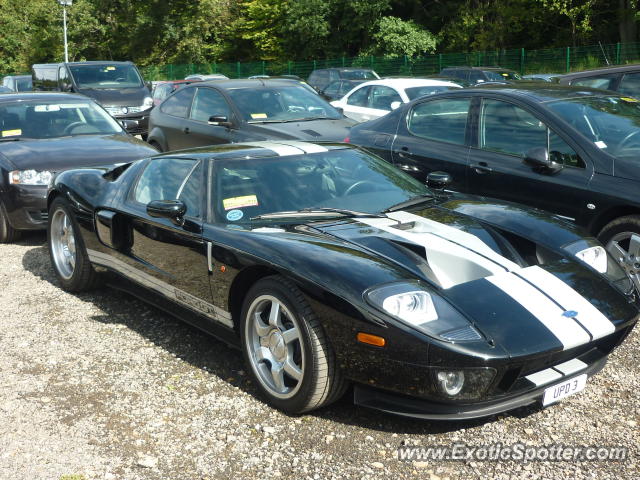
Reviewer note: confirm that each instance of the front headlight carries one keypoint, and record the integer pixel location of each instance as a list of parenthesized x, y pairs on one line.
[(147, 103), (30, 177), (410, 303)]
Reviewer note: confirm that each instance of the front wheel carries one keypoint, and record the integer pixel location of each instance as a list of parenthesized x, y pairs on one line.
[(622, 240), (8, 234), (287, 352), (68, 253)]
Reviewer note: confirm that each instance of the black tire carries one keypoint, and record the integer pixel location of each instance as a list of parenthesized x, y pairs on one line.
[(83, 277), (8, 234), (322, 381)]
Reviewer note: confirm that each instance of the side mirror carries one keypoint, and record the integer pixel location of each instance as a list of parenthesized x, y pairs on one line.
[(220, 120), (538, 159), (340, 110), (174, 210), (67, 87), (438, 180), (395, 105), (128, 124)]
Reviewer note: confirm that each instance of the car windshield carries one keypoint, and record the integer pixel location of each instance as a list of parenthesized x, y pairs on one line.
[(501, 75), (611, 123), (106, 76), (281, 104), (417, 92), (39, 119), (359, 75), (346, 179)]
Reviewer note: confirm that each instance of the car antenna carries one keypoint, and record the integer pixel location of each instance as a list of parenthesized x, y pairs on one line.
[(603, 53)]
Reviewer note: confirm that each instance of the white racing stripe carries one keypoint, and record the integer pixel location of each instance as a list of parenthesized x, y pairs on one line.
[(306, 147), (281, 149), (545, 310), (589, 316)]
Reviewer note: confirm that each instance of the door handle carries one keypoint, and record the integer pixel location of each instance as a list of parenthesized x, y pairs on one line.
[(186, 130), (482, 168), (404, 152)]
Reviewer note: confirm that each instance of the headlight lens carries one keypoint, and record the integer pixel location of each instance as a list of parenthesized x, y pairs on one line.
[(464, 384), (147, 103), (451, 382), (413, 305), (594, 256), (30, 177)]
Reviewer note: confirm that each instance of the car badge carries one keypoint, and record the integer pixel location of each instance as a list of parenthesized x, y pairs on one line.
[(570, 314)]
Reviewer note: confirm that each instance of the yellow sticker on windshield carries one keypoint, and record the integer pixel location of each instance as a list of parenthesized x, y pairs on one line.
[(240, 202), (11, 133), (629, 99), (258, 115), (110, 69)]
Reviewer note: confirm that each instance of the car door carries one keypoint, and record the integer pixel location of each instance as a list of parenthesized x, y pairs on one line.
[(505, 132), (173, 118), (169, 258), (208, 102), (357, 104), (380, 100), (433, 136)]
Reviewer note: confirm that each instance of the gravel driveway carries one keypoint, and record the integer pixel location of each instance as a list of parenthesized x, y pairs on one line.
[(103, 386)]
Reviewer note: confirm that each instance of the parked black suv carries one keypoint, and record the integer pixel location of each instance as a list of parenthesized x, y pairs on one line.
[(571, 151), (117, 86), (477, 75), (623, 79), (319, 79)]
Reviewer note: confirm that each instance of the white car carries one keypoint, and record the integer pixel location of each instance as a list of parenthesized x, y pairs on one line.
[(376, 98)]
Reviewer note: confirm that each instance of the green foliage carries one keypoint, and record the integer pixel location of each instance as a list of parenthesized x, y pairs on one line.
[(396, 37)]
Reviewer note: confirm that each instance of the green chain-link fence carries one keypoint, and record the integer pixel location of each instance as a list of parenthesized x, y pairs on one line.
[(552, 60)]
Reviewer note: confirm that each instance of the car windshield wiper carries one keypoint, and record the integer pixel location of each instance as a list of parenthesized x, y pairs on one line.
[(426, 197), (11, 139), (312, 212)]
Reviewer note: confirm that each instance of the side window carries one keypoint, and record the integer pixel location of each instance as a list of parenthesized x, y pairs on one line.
[(178, 105), (207, 103), (562, 153), (476, 76), (630, 85), (506, 128), (382, 97), (605, 83), (442, 120), (63, 77), (332, 88), (359, 98), (171, 179)]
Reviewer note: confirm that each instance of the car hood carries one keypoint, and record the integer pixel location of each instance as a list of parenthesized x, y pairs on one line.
[(520, 308), (116, 97), (312, 130), (79, 151)]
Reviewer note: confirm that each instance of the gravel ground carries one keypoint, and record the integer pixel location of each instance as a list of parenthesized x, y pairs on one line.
[(103, 386)]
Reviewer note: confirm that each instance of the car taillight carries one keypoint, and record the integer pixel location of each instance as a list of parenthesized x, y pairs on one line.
[(347, 140)]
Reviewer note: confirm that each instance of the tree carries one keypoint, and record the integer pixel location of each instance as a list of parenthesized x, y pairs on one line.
[(577, 11), (396, 37)]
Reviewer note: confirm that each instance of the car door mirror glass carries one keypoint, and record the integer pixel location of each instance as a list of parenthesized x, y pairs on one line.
[(538, 158), (219, 120), (395, 105), (174, 210)]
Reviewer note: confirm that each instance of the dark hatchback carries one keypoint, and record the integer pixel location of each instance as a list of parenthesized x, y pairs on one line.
[(232, 111), (41, 134), (570, 151), (624, 79)]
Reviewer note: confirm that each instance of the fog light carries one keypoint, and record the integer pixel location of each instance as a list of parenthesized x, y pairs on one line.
[(451, 382)]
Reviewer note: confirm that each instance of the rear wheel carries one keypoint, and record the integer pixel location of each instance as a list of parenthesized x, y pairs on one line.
[(289, 357), (622, 240), (8, 234), (68, 253)]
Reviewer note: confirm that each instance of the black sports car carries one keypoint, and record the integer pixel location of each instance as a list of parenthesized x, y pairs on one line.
[(328, 266), (44, 133), (568, 150)]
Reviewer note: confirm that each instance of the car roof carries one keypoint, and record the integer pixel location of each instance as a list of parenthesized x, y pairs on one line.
[(265, 149), (17, 76), (43, 97), (410, 82), (536, 91), (597, 71), (463, 67), (250, 82), (89, 62)]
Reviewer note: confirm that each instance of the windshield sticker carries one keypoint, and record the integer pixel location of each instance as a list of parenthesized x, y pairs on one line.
[(601, 144), (235, 215), (110, 69), (11, 133), (240, 202), (629, 99), (47, 108), (258, 115)]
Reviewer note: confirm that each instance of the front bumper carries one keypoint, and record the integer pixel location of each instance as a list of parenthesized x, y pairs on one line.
[(26, 206), (141, 120), (428, 410)]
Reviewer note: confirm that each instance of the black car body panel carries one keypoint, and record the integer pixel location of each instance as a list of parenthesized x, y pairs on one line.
[(201, 270)]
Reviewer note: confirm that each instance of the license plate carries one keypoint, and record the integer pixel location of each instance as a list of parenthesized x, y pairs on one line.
[(564, 389)]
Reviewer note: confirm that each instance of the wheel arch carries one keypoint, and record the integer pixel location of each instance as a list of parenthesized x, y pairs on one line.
[(241, 285), (597, 224)]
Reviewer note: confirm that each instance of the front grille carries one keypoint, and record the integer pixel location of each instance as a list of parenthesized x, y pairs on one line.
[(121, 110)]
